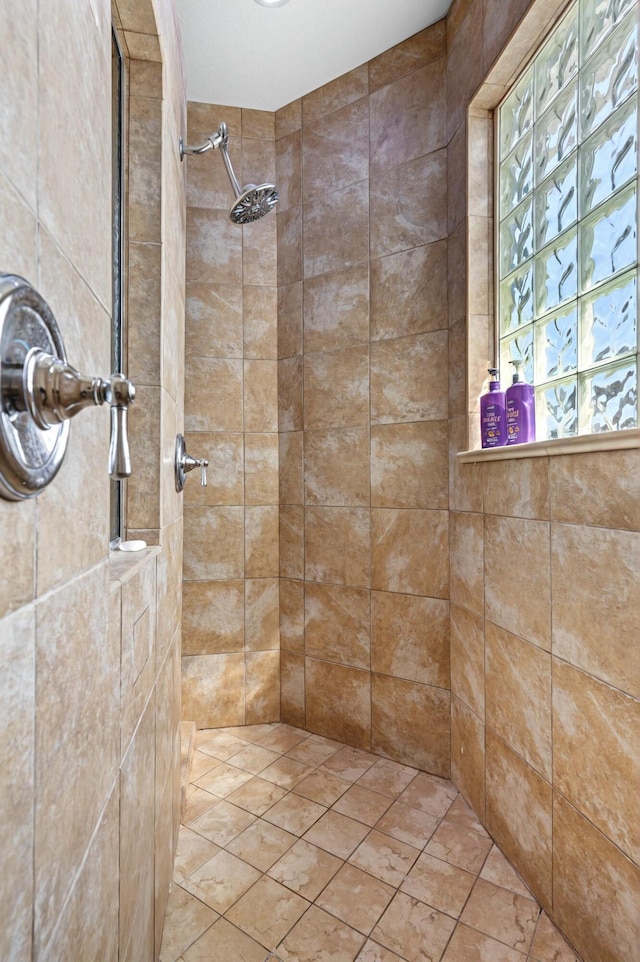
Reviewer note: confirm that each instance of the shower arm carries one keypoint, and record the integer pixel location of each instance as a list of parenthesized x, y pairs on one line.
[(219, 139)]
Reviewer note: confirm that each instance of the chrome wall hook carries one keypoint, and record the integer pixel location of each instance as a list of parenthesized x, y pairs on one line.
[(40, 392)]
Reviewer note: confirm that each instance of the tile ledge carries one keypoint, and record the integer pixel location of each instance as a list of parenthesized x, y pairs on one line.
[(583, 444), (124, 565)]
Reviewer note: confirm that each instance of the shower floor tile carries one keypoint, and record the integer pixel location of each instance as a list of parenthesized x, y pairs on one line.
[(393, 866)]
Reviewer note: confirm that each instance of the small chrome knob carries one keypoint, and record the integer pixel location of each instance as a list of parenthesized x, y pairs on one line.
[(185, 463)]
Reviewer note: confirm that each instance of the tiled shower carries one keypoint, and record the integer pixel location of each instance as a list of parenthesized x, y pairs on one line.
[(343, 571)]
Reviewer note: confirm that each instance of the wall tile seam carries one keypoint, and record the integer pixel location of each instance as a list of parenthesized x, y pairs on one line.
[(557, 795), (47, 595), (67, 257), (558, 659)]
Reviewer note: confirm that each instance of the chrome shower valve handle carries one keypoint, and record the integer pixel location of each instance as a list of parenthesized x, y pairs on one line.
[(54, 391), (185, 463), (40, 392)]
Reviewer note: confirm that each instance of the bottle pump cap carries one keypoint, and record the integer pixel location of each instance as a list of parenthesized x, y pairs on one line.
[(516, 374)]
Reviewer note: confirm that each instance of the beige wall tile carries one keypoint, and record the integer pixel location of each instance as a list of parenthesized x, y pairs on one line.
[(145, 172), (289, 170), (335, 94), (213, 320), (259, 123), (225, 477), (518, 696), (518, 489), (212, 617), (137, 825), (336, 388), (465, 480), (88, 927), (336, 545), (290, 319), (290, 408), (467, 552), (215, 247), (291, 467), (595, 596), (72, 689), (338, 702), (589, 872), (17, 554), (259, 245), (410, 638), (335, 150), (337, 625), (468, 755), (261, 395), (289, 245), (464, 63), (145, 300), (17, 764), (512, 546), (19, 103), (291, 541), (18, 241), (261, 556), (292, 614), (411, 723), (408, 117), (410, 55), (222, 527), (336, 467), (262, 618), (212, 689), (409, 204), (142, 489), (519, 815), (409, 378), (262, 687), (595, 760), (260, 321), (410, 551), (207, 180), (409, 465), (336, 309), (288, 118), (342, 216), (409, 291), (596, 489), (467, 658), (213, 394), (261, 482), (292, 688)]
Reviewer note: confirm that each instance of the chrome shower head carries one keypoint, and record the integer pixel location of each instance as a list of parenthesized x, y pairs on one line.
[(251, 202)]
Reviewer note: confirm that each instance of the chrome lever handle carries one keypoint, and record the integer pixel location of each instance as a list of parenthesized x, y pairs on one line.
[(185, 463)]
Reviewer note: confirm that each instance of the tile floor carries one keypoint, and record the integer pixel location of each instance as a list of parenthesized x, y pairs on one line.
[(300, 849)]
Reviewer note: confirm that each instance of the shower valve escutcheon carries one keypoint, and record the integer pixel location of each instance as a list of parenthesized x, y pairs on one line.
[(40, 392), (185, 463)]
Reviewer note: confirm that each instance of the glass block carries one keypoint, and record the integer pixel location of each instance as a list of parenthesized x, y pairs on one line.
[(516, 299), (609, 398), (556, 345), (608, 321), (518, 347), (556, 203), (608, 240), (556, 133), (610, 157), (516, 238), (609, 77), (516, 176), (556, 274), (557, 410), (557, 62), (597, 19), (516, 114)]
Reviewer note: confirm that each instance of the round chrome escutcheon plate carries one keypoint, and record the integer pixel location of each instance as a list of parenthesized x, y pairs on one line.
[(29, 456)]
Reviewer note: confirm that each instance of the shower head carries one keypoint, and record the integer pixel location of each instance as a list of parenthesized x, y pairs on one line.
[(251, 202)]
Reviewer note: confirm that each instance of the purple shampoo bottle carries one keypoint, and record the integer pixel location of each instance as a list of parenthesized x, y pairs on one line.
[(493, 417), (521, 409)]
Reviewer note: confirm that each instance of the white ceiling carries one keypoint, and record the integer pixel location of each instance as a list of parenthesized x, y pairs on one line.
[(241, 54)]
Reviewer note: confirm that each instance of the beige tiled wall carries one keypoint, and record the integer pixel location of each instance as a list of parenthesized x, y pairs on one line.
[(363, 403), (89, 700), (545, 556), (231, 657)]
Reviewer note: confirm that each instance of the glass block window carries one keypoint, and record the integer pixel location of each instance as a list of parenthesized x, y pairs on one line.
[(567, 212)]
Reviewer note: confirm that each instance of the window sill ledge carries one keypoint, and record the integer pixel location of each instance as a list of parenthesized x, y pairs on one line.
[(124, 566), (583, 444)]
